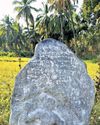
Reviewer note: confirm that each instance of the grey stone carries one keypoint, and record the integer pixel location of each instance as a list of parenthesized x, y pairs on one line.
[(52, 89)]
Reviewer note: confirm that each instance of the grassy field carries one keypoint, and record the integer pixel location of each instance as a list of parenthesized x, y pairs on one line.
[(9, 68)]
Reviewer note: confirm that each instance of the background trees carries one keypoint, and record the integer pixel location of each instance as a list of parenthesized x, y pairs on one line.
[(6, 29), (57, 19), (91, 35), (43, 21)]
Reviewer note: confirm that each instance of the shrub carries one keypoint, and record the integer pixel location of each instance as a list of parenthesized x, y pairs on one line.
[(9, 54)]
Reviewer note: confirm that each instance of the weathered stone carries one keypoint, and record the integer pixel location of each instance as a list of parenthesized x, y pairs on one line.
[(52, 89)]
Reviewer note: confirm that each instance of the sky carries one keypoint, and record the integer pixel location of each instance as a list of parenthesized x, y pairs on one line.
[(7, 7)]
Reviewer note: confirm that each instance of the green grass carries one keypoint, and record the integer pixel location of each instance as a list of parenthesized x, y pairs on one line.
[(13, 59)]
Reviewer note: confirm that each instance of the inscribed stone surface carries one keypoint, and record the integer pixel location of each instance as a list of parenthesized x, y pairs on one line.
[(52, 89)]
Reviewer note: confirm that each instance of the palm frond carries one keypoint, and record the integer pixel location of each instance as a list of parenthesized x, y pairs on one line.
[(37, 10), (19, 15), (30, 1), (18, 9), (17, 2), (25, 1)]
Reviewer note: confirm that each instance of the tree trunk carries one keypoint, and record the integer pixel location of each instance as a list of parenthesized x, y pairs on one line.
[(61, 22), (70, 14), (27, 24)]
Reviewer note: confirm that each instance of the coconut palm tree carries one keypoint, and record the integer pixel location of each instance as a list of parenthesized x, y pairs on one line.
[(64, 7), (24, 9), (7, 31), (43, 20)]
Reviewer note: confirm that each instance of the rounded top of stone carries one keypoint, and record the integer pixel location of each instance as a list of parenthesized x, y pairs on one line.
[(49, 42), (50, 47)]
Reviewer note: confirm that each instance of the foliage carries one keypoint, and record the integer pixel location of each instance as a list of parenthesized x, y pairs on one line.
[(90, 36), (9, 54), (95, 119), (97, 81), (13, 38), (43, 21), (24, 10), (6, 32), (91, 10), (57, 19), (88, 41)]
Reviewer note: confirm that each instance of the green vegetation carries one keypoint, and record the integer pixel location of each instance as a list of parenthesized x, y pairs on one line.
[(8, 54), (57, 19), (95, 118), (9, 67)]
